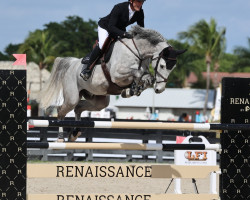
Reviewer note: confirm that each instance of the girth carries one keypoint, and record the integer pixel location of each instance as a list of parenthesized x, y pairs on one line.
[(113, 88)]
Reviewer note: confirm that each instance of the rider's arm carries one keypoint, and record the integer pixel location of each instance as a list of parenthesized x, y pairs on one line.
[(140, 21), (114, 17)]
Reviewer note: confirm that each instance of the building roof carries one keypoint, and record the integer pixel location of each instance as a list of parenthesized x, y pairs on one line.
[(170, 98), (216, 77)]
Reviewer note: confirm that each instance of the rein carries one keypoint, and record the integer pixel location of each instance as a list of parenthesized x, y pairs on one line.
[(141, 59), (137, 56)]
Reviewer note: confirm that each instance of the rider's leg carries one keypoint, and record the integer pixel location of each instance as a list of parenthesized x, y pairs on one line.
[(86, 72), (102, 35)]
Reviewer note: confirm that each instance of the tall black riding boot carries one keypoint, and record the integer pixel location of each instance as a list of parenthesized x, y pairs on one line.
[(86, 72)]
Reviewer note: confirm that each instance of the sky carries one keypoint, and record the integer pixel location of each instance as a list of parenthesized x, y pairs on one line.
[(169, 17)]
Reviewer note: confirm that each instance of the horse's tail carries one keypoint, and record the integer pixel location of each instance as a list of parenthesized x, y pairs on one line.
[(51, 91)]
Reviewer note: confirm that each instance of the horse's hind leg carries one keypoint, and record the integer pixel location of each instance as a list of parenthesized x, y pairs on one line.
[(62, 111), (68, 105), (76, 132), (96, 103)]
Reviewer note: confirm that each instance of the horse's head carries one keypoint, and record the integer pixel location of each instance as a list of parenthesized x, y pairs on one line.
[(163, 65)]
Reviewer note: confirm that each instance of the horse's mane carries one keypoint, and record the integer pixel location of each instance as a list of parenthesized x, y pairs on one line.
[(151, 35)]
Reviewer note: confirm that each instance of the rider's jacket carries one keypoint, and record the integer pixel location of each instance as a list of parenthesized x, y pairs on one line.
[(117, 21)]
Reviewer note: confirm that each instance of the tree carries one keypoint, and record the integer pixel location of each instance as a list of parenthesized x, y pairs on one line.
[(242, 64), (3, 57), (227, 62), (205, 38), (218, 53), (8, 51), (40, 49), (77, 36), (185, 65)]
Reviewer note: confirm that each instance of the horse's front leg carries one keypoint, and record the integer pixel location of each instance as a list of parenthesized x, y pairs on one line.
[(138, 86), (147, 80), (129, 92)]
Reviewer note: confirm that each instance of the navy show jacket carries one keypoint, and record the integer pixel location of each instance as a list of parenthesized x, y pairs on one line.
[(118, 19)]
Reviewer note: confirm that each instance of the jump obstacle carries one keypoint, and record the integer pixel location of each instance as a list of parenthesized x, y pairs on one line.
[(235, 137), (138, 125), (123, 146)]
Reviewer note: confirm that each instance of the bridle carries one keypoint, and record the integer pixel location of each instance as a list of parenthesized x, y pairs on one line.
[(161, 56)]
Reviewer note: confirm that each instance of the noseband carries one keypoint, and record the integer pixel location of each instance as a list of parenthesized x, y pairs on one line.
[(161, 56)]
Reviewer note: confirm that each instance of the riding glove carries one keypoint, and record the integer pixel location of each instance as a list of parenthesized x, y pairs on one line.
[(127, 35)]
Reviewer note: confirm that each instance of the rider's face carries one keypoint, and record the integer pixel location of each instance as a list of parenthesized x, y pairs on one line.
[(136, 5)]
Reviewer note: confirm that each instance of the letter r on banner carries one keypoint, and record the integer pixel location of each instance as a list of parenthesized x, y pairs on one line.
[(20, 59)]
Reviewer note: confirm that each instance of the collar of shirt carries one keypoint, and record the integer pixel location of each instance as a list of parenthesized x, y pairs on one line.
[(131, 12)]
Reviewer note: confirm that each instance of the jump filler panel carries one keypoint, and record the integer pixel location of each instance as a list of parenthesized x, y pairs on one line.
[(13, 127), (235, 155)]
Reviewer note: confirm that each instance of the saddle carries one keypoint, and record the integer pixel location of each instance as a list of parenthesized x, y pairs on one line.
[(107, 50)]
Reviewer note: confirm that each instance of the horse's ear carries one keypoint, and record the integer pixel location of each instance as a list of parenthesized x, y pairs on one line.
[(179, 52), (167, 50)]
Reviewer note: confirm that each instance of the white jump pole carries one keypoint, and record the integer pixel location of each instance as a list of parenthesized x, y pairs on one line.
[(213, 183), (122, 146), (138, 125)]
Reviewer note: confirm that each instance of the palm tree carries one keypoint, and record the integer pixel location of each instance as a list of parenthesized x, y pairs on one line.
[(185, 65), (40, 49), (218, 54), (243, 62), (205, 38)]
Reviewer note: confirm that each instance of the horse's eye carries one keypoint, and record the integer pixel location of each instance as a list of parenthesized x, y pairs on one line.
[(162, 66)]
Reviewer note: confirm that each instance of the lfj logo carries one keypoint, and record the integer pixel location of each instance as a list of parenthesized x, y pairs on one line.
[(197, 156), (20, 59)]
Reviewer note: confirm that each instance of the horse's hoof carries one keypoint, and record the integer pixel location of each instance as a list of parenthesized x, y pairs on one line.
[(85, 76), (73, 138)]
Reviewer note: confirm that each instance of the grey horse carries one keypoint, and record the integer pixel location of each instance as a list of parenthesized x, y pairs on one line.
[(128, 69)]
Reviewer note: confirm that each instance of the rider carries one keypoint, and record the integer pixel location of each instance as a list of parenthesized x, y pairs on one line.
[(114, 25)]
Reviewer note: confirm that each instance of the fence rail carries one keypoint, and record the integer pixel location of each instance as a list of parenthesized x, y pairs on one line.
[(49, 134)]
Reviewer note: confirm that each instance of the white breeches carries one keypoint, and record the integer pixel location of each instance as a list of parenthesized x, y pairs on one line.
[(102, 36)]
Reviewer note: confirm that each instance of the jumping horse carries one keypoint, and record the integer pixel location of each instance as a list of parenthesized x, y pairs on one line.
[(127, 73)]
